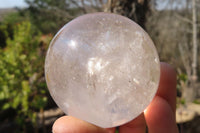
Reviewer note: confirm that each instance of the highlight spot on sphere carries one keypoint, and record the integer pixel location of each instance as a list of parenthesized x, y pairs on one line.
[(102, 68)]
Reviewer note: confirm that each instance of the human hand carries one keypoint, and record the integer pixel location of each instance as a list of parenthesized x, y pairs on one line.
[(159, 116)]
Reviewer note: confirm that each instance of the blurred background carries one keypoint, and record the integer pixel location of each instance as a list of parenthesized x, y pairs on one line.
[(27, 27)]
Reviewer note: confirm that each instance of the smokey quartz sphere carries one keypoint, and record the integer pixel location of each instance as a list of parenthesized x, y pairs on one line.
[(102, 68)]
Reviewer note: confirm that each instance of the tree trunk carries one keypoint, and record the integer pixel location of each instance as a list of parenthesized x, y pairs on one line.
[(194, 34), (190, 93), (133, 9)]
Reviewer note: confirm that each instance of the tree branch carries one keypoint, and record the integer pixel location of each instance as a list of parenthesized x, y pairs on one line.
[(183, 18)]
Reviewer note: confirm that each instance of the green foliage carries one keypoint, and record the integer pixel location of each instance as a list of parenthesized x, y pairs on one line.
[(22, 85), (182, 101), (3, 35), (50, 15), (7, 26), (117, 131), (14, 17), (197, 101), (181, 79)]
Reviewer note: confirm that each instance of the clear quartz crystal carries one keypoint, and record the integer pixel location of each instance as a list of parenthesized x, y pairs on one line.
[(102, 68)]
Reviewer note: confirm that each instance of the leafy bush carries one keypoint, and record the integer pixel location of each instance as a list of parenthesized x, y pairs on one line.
[(22, 85)]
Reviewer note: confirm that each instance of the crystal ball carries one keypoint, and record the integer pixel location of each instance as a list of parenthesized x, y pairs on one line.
[(102, 68)]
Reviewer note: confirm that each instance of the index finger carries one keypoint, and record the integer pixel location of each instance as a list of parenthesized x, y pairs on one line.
[(167, 86)]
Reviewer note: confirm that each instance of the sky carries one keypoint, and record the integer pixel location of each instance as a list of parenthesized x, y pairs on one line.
[(12, 3), (21, 3), (170, 4)]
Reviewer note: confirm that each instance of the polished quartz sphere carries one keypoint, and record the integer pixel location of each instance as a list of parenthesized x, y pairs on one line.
[(102, 68)]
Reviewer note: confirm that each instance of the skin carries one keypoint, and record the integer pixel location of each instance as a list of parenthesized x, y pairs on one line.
[(159, 116)]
